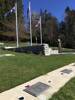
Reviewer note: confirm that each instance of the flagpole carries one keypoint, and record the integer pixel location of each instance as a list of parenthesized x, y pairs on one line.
[(30, 23), (17, 37), (41, 30)]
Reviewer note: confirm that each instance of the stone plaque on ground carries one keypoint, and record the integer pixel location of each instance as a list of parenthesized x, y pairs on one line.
[(36, 89), (66, 71), (73, 65)]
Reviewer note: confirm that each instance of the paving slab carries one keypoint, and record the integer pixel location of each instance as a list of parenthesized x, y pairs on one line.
[(53, 80)]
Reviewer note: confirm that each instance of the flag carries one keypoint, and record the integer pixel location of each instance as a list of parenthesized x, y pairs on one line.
[(29, 9), (27, 13), (38, 23), (10, 11), (13, 10)]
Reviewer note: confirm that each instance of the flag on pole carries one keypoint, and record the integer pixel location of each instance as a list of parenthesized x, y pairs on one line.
[(38, 23), (29, 10), (14, 10), (10, 11), (27, 13)]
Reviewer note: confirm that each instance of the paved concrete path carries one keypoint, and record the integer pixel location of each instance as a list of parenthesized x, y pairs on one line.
[(55, 79)]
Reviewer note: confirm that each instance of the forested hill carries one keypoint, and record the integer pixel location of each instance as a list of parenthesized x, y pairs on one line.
[(7, 23)]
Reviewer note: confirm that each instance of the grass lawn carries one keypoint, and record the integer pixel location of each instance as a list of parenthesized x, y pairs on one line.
[(24, 67), (67, 92)]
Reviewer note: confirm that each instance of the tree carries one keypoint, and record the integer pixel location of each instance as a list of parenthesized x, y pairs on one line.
[(50, 28), (35, 30), (62, 32), (9, 21), (70, 28)]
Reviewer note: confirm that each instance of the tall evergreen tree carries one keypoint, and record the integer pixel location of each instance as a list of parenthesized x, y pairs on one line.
[(70, 27)]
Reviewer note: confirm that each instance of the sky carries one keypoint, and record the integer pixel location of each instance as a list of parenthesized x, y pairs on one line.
[(55, 7)]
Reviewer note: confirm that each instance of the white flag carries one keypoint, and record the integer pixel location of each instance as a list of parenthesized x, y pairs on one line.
[(38, 23), (10, 11), (13, 10)]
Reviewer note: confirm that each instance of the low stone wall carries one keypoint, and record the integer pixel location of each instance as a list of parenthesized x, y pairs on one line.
[(48, 51), (36, 49), (54, 52)]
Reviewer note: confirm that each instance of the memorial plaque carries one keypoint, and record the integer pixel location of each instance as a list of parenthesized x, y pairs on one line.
[(21, 98), (66, 71), (73, 65), (37, 89)]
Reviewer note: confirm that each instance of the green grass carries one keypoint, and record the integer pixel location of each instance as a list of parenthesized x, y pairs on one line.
[(67, 92), (24, 67)]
